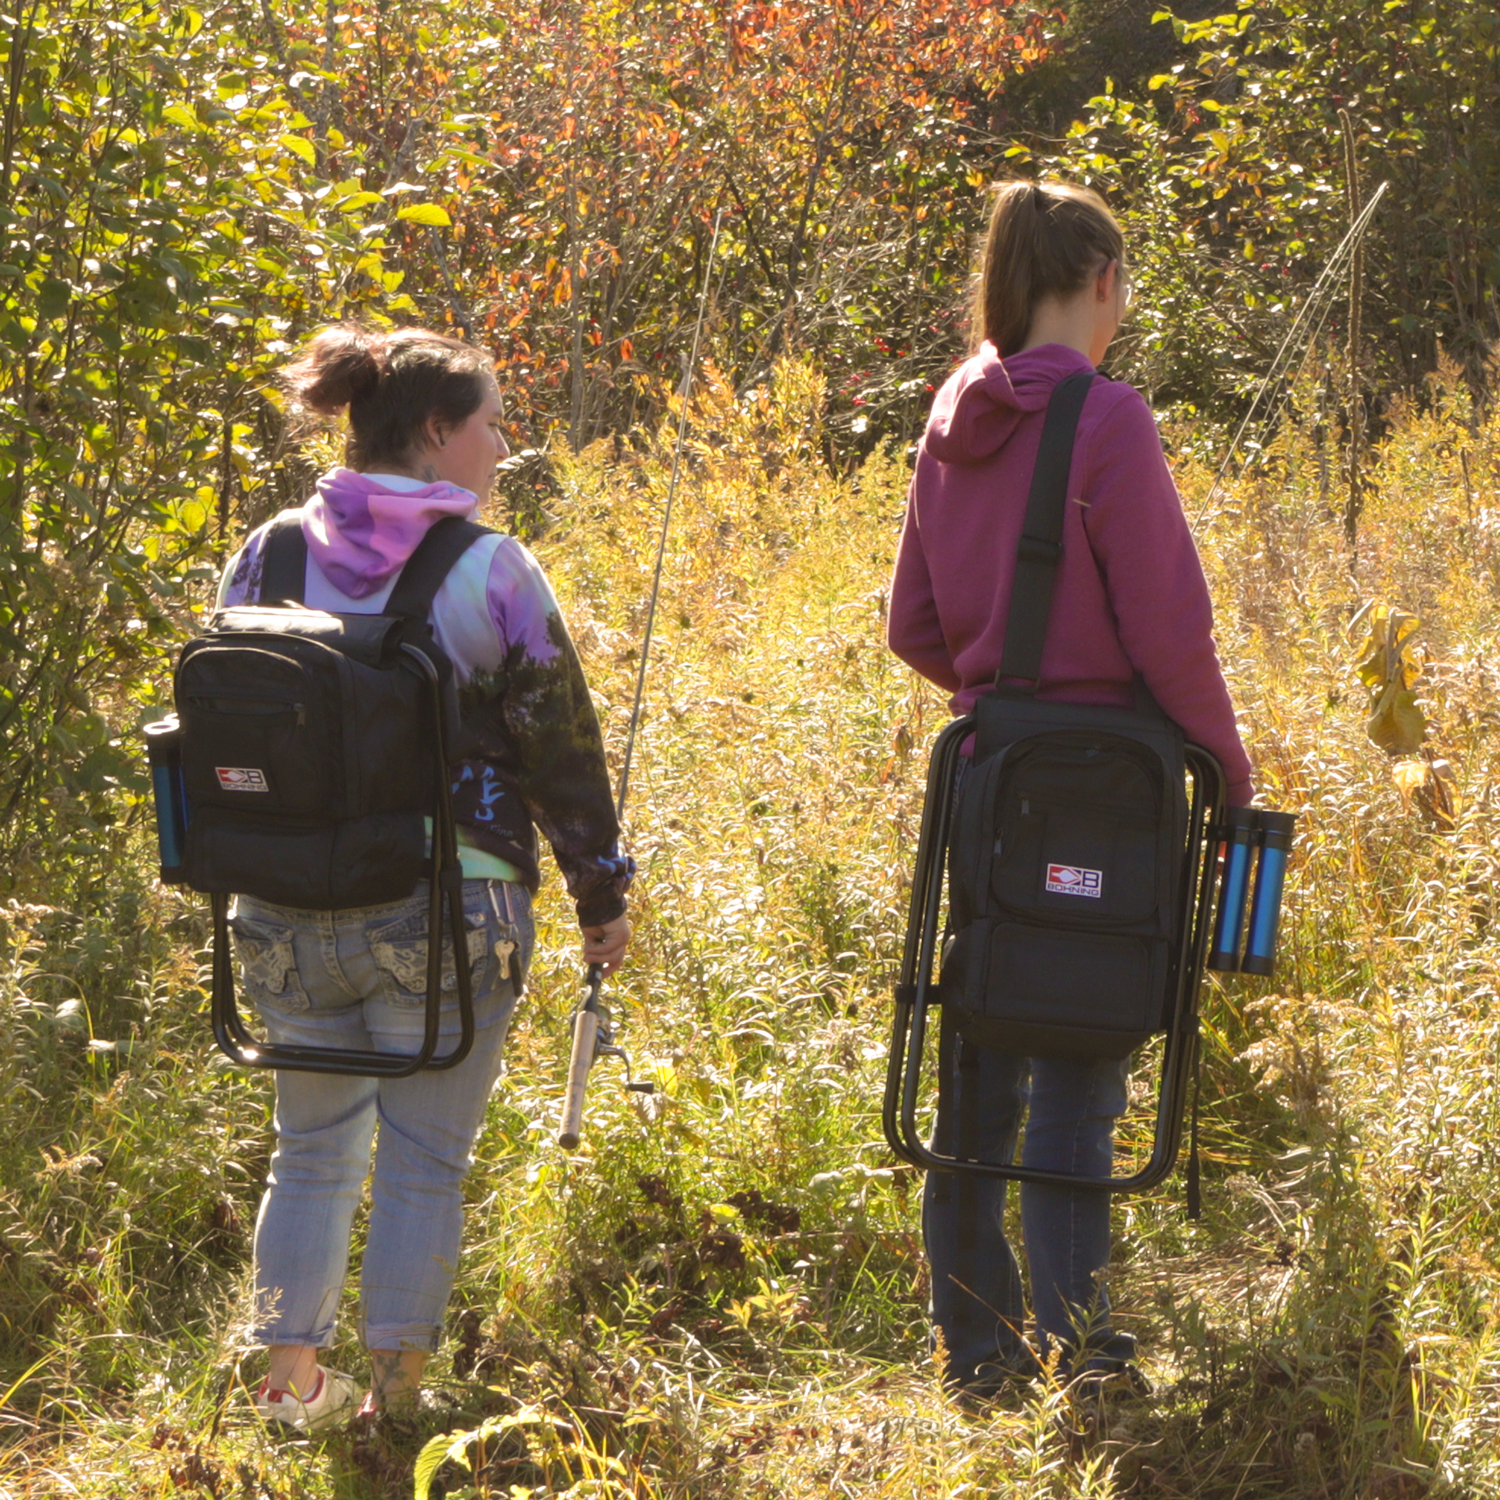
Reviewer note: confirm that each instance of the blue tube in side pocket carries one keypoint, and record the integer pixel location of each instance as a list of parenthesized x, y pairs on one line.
[(1270, 877), (1239, 847), (164, 751)]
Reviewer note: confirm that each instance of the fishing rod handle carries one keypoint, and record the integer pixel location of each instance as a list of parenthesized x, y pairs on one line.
[(585, 1040)]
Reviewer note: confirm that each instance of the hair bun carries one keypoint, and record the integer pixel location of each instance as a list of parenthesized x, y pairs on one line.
[(336, 367), (402, 388)]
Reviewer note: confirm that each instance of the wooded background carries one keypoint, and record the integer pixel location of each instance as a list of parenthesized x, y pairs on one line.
[(721, 1296), (185, 193)]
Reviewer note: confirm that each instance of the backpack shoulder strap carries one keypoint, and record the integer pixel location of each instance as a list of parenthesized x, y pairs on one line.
[(283, 576), (1040, 548), (446, 541)]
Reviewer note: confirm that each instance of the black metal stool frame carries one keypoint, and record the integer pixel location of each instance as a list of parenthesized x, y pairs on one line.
[(240, 1046)]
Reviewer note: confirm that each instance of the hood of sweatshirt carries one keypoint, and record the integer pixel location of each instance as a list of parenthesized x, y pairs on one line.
[(360, 531), (985, 398)]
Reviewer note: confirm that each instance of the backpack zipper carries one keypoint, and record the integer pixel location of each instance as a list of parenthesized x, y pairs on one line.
[(247, 703)]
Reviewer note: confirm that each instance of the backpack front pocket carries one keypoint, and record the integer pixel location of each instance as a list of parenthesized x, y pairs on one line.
[(270, 748), (1078, 825), (1041, 991)]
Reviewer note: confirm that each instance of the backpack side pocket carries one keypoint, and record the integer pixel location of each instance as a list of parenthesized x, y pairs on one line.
[(971, 846)]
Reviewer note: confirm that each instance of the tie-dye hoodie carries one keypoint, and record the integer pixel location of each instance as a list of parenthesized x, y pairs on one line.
[(531, 754)]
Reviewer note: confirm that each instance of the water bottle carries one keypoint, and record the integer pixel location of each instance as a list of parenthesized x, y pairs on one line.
[(1270, 875), (1239, 832), (164, 751)]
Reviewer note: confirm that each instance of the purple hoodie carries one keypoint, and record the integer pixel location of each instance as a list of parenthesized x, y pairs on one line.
[(530, 751), (1130, 595)]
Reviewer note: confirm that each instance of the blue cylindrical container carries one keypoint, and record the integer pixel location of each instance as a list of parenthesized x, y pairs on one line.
[(1239, 832), (1270, 875), (164, 750)]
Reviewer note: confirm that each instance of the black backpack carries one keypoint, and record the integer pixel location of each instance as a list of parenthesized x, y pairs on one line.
[(1066, 858), (314, 748)]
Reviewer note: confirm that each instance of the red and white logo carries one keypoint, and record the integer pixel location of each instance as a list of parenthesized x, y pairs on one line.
[(1073, 880), (241, 779)]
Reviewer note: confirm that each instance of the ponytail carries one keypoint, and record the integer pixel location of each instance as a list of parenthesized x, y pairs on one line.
[(1045, 239)]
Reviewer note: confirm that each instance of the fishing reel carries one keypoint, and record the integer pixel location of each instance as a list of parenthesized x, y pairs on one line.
[(605, 1046), (593, 1038)]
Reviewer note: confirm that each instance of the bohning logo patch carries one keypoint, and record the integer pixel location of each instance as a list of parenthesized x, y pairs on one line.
[(1073, 880), (241, 779)]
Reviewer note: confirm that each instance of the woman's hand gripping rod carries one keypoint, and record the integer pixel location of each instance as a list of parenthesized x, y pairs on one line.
[(593, 1035)]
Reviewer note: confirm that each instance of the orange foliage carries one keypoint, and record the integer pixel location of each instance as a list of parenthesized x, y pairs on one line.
[(582, 150)]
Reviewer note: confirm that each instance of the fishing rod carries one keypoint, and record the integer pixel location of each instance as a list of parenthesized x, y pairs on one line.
[(593, 1036), (1320, 301)]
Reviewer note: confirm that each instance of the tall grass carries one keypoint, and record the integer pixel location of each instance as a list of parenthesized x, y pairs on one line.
[(721, 1294)]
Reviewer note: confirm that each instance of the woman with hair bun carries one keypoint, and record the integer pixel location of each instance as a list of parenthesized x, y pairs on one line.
[(425, 434), (1130, 599)]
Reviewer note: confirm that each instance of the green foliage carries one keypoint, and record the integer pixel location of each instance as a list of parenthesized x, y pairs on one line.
[(128, 1167), (162, 236), (1229, 170)]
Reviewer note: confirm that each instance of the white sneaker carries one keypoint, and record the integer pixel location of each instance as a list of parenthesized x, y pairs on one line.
[(331, 1397)]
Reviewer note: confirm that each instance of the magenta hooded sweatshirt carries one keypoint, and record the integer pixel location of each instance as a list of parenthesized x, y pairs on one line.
[(1130, 595)]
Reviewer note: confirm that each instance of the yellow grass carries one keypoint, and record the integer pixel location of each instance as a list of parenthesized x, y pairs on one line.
[(721, 1294)]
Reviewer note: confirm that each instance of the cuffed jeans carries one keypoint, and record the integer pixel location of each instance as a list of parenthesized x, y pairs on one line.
[(357, 978), (977, 1298)]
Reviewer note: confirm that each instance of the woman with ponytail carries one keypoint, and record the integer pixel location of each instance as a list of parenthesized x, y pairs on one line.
[(425, 435), (1130, 599)]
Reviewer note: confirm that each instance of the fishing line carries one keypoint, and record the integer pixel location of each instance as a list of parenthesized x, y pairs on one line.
[(1320, 292), (593, 1036), (666, 520), (1281, 402)]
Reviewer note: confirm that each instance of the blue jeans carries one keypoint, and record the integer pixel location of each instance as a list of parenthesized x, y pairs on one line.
[(977, 1300), (357, 978)]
